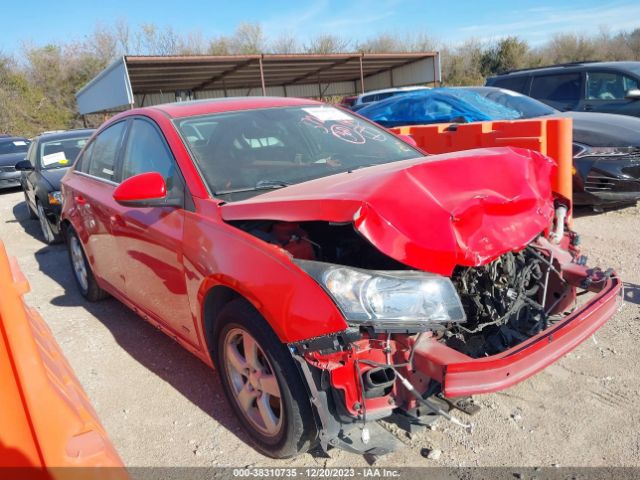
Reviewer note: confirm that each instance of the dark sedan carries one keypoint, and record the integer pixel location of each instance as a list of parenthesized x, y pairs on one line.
[(606, 146), (12, 150), (48, 159)]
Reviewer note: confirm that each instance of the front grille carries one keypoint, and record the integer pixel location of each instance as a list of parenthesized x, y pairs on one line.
[(599, 183), (7, 169), (599, 180)]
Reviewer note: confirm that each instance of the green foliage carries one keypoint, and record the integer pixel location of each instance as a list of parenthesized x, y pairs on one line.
[(38, 93)]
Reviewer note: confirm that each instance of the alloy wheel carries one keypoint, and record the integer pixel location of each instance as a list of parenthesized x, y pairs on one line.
[(78, 262), (253, 382), (44, 225)]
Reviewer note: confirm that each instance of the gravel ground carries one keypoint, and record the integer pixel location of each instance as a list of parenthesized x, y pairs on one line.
[(163, 407)]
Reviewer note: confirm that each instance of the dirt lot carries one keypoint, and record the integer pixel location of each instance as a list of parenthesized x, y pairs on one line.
[(163, 407)]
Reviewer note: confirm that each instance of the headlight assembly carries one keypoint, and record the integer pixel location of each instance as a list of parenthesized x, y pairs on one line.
[(55, 198), (388, 299), (580, 151)]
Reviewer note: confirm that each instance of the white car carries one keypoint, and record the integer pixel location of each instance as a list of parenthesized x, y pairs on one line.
[(377, 95)]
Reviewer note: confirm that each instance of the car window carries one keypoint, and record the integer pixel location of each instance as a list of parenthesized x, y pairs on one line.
[(105, 150), (609, 85), (82, 164), (560, 88), (146, 151), (254, 150), (16, 145), (60, 153), (517, 84), (31, 153)]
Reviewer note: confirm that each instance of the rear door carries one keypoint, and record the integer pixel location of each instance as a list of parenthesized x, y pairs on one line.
[(606, 92), (563, 91), (93, 209), (150, 239)]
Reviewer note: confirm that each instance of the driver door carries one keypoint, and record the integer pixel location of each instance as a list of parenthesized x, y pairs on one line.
[(150, 239)]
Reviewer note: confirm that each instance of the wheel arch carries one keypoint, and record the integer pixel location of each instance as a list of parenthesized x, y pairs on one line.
[(214, 301)]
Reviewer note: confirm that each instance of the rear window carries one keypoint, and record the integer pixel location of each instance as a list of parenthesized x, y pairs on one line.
[(517, 84), (560, 88)]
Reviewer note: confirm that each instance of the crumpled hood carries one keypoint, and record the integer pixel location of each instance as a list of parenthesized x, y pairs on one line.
[(432, 213)]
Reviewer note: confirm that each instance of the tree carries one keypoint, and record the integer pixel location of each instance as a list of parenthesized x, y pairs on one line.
[(286, 43), (326, 43), (508, 54), (249, 39)]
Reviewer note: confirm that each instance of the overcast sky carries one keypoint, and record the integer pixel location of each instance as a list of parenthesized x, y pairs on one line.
[(451, 22)]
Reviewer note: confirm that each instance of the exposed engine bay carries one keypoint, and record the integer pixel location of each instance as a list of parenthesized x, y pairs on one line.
[(504, 301), (367, 373)]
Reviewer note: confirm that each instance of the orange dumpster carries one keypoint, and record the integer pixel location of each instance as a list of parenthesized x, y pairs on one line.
[(46, 419), (551, 136)]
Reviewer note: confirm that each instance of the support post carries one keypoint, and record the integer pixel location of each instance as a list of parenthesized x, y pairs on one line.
[(264, 89), (361, 75)]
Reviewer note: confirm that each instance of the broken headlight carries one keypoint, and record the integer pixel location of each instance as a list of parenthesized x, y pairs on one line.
[(388, 299)]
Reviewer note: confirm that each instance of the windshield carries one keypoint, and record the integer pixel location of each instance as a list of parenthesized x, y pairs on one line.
[(61, 153), (241, 153), (14, 145), (527, 107), (442, 105)]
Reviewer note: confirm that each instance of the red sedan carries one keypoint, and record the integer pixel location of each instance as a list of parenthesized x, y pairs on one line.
[(332, 273)]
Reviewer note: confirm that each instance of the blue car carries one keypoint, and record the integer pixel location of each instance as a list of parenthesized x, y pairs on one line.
[(442, 105)]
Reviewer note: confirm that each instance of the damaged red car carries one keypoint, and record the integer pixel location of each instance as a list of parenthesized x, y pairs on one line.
[(331, 272)]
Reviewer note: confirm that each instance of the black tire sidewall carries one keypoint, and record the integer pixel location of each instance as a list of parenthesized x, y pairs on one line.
[(93, 292), (298, 428)]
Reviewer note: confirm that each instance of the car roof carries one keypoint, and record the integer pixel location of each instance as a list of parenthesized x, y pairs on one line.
[(14, 139), (228, 104), (626, 65), (395, 89), (61, 135)]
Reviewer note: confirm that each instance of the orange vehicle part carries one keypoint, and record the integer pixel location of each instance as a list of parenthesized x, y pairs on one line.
[(550, 136), (46, 419)]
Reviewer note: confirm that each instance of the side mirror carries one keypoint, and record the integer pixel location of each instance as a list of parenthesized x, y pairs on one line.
[(633, 94), (408, 139), (24, 166), (144, 190)]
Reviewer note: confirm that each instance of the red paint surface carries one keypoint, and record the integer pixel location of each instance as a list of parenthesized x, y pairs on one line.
[(432, 213), (145, 186)]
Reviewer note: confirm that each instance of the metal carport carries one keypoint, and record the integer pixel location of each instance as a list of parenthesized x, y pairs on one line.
[(150, 80)]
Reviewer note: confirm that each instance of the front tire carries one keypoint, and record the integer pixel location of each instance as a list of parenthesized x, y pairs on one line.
[(82, 270), (32, 214), (262, 383), (47, 232)]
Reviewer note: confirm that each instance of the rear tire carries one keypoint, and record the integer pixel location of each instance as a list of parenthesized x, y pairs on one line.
[(82, 270), (262, 383)]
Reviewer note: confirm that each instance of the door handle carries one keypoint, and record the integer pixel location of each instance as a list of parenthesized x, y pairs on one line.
[(588, 108)]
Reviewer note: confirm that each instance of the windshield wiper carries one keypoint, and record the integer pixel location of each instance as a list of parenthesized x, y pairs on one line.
[(261, 185)]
